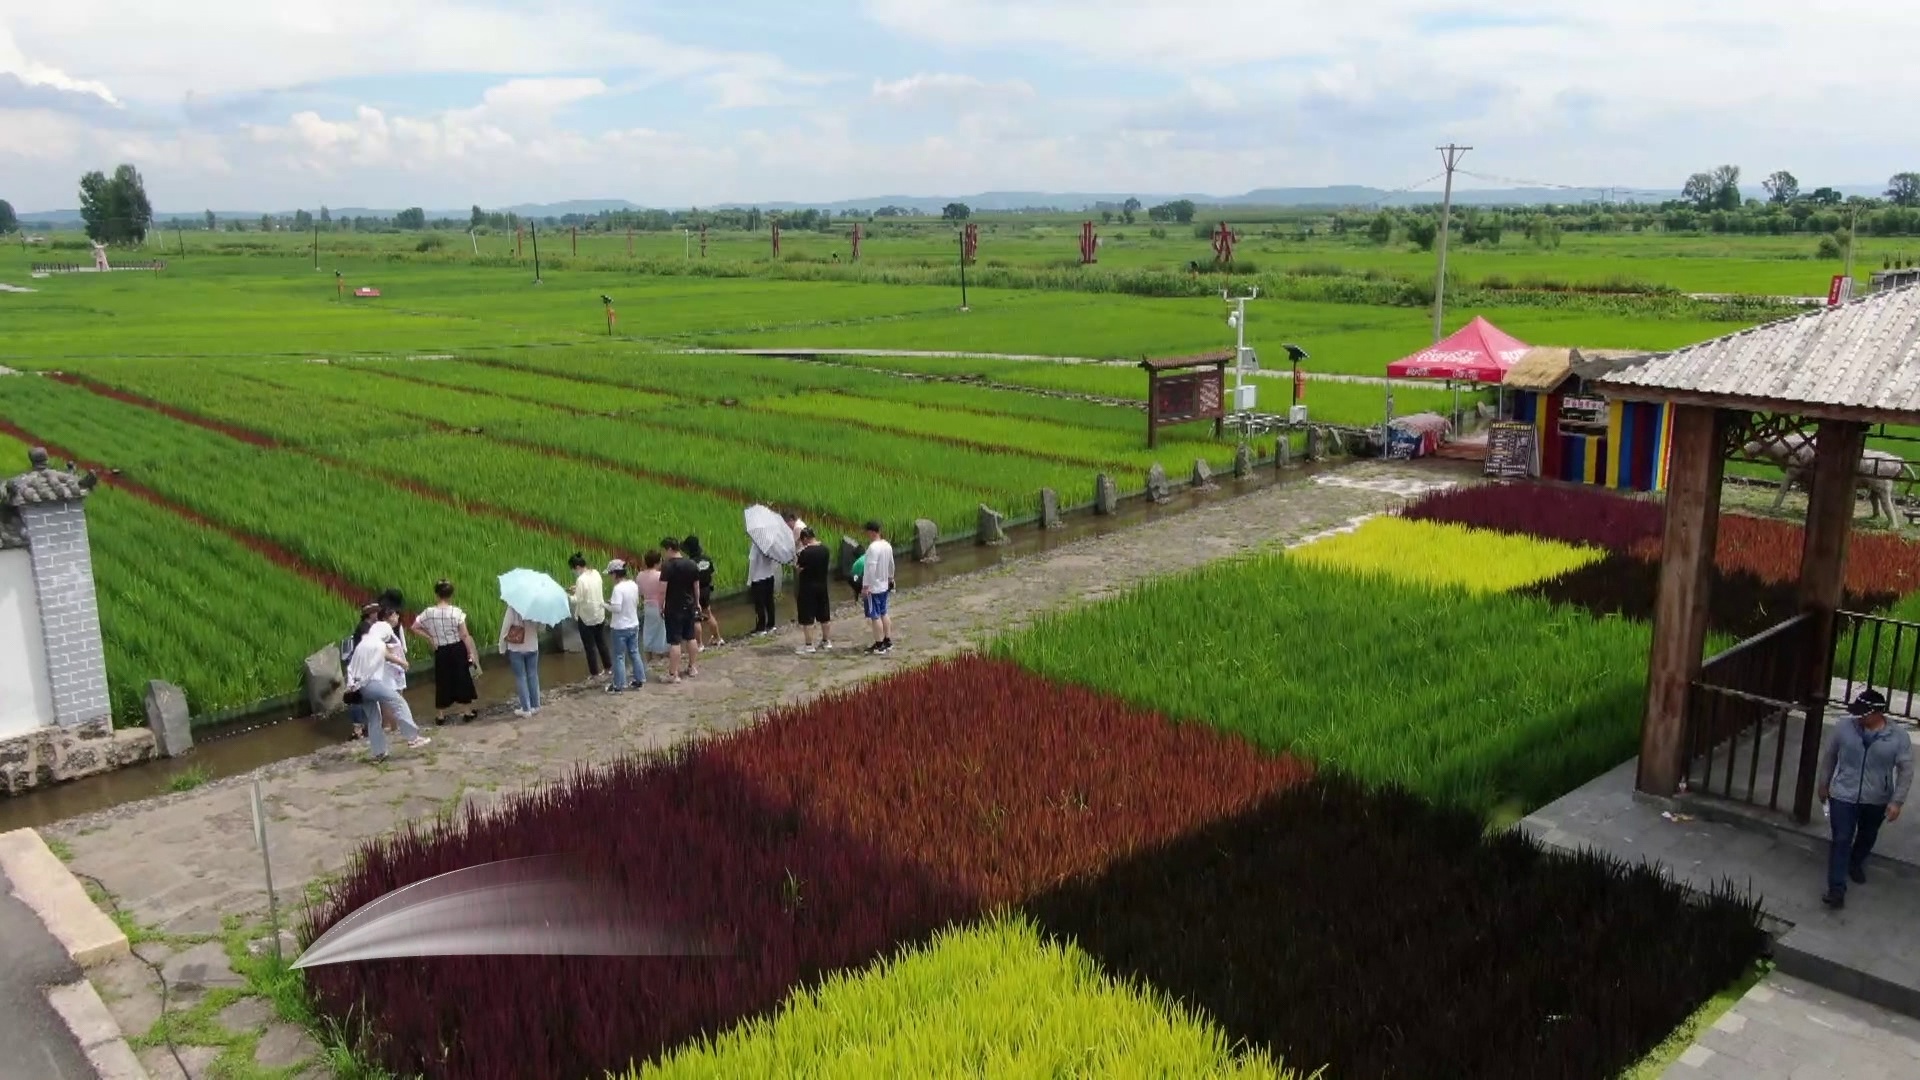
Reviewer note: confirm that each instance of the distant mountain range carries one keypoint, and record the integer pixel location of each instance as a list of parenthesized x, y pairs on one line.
[(1346, 195)]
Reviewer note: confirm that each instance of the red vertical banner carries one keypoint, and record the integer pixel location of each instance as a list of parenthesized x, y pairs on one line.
[(776, 239), (856, 241), (1299, 385), (1840, 290), (1089, 243), (970, 242)]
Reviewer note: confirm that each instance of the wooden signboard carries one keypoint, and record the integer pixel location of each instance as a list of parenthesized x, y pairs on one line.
[(1511, 451), (1183, 390)]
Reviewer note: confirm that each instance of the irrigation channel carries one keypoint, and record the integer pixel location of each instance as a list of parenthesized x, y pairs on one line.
[(250, 742)]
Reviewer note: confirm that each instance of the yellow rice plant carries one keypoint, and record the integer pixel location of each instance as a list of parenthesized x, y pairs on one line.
[(1445, 554)]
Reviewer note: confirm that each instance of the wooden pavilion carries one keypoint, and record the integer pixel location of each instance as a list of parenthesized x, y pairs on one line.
[(1830, 374)]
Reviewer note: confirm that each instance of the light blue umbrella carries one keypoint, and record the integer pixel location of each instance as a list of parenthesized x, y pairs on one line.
[(536, 596)]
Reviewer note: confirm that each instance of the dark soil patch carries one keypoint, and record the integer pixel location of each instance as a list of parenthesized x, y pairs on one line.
[(1739, 603), (1381, 936)]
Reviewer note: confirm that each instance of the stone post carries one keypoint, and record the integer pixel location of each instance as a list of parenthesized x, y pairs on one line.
[(1202, 478), (1242, 462), (50, 506), (926, 541), (1050, 509), (1283, 451), (991, 529), (1106, 495), (1159, 490)]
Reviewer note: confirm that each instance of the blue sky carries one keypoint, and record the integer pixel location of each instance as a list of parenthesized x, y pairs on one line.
[(258, 104)]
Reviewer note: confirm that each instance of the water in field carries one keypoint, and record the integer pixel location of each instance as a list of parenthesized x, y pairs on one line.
[(247, 744)]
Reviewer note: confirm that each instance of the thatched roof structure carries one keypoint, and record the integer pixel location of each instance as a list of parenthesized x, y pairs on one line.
[(1543, 369)]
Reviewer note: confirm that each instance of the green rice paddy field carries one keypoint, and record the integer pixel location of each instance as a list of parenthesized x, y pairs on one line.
[(500, 417)]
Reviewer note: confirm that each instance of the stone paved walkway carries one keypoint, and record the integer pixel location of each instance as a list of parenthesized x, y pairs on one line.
[(1786, 1029), (181, 862)]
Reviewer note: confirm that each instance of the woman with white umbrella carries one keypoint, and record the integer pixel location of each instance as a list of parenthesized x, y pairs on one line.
[(534, 601), (769, 547)]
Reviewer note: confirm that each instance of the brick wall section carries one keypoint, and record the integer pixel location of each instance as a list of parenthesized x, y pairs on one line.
[(69, 611)]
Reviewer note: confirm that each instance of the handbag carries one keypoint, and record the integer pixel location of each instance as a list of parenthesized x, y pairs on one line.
[(516, 633)]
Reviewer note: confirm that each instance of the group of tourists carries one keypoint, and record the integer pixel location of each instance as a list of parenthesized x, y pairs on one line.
[(660, 611)]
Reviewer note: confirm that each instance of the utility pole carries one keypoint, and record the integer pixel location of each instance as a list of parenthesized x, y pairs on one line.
[(963, 268), (1853, 234), (316, 247), (535, 230), (1450, 154)]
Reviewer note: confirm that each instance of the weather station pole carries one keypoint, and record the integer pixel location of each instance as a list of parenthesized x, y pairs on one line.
[(1450, 154), (1237, 319)]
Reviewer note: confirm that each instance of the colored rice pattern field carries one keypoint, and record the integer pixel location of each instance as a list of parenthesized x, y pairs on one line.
[(1275, 820)]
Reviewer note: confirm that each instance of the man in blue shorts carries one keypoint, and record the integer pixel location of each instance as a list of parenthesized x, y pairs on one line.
[(876, 586)]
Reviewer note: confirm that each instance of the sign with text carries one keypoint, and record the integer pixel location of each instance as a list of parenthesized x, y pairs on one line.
[(1511, 450), (1180, 398), (1583, 412), (1840, 290)]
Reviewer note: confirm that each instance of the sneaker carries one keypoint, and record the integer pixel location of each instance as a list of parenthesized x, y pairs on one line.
[(806, 650), (377, 759), (635, 685), (826, 646), (885, 649), (1834, 900), (613, 689), (522, 713), (1858, 874), (873, 648), (439, 721), (417, 742)]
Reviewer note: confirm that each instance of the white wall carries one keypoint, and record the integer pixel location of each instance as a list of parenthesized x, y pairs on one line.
[(26, 691)]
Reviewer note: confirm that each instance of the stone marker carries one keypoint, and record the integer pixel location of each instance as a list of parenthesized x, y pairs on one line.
[(850, 550), (1050, 509), (1283, 452), (926, 541), (325, 682), (1313, 444), (1242, 462), (1157, 487), (1106, 495), (564, 638), (1202, 479), (169, 719), (991, 521)]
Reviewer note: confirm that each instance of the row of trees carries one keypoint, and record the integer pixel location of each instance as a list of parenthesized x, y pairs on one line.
[(1705, 192)]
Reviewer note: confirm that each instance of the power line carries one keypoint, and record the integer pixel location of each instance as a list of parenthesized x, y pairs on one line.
[(1377, 203), (1596, 189)]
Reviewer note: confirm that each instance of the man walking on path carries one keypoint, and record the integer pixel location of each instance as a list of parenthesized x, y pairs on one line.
[(629, 671), (682, 612), (370, 679), (590, 615), (1866, 768), (876, 586), (813, 591)]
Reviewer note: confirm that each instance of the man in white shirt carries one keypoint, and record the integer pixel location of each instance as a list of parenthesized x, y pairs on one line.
[(876, 586), (590, 615), (623, 615), (371, 674)]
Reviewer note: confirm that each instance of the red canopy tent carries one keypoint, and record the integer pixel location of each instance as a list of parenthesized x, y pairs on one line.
[(1478, 352)]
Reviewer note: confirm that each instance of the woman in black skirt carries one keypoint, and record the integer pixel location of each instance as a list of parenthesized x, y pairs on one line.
[(455, 658)]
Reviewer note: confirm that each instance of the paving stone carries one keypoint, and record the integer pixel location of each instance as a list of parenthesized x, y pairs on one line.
[(160, 1063), (247, 1014), (284, 1046), (130, 992), (202, 967)]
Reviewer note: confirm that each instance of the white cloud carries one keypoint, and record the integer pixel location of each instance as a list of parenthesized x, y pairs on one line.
[(14, 62), (947, 89)]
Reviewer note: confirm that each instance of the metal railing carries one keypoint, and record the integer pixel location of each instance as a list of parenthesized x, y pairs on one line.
[(1740, 711), (1881, 653)]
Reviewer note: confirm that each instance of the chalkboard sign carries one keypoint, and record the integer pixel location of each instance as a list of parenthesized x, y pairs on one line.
[(1510, 450)]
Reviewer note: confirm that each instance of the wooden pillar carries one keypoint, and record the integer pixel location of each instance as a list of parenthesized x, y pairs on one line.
[(1823, 574), (1153, 408), (1220, 380), (1680, 610)]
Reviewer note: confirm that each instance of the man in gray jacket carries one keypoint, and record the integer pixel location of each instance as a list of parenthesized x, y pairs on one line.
[(1866, 768)]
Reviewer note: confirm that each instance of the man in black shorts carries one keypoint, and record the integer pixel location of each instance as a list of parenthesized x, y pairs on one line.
[(681, 610), (812, 593)]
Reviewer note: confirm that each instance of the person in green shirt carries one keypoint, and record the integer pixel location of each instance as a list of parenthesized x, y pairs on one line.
[(859, 568)]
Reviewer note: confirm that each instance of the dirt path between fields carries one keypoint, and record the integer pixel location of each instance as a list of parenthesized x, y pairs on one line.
[(180, 862)]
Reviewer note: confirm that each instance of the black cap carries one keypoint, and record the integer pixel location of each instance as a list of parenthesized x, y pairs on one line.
[(1867, 702)]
